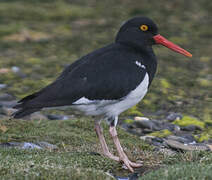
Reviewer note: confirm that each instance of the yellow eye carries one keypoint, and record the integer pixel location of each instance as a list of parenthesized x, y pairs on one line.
[(144, 27)]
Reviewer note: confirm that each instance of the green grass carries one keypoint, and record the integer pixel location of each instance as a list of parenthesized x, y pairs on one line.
[(186, 171), (77, 154), (185, 166)]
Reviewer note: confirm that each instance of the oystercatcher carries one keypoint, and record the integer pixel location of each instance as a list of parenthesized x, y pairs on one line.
[(107, 81)]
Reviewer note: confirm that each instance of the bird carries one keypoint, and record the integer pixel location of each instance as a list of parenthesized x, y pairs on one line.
[(107, 81)]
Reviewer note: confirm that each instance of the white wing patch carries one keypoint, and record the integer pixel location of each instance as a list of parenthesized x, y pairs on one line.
[(140, 65), (83, 100)]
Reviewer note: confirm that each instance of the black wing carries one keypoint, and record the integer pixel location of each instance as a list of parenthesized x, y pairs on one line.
[(109, 73)]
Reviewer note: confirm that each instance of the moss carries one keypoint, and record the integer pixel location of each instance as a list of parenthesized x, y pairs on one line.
[(204, 136), (129, 121), (134, 111), (165, 85), (188, 120), (161, 134), (204, 82)]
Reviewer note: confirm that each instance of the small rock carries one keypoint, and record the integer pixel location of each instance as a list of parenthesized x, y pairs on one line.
[(57, 117), (147, 131), (155, 125), (180, 146), (8, 104), (137, 118), (46, 145), (146, 137), (2, 86), (174, 116), (183, 140), (6, 97), (146, 123), (15, 69), (21, 145), (27, 145), (153, 140), (190, 128), (189, 137)]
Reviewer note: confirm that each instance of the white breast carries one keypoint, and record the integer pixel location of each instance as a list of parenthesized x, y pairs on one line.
[(113, 107)]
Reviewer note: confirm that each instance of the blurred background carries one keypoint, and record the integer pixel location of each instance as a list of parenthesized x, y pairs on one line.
[(38, 38)]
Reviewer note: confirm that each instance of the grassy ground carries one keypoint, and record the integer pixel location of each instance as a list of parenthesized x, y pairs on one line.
[(77, 155), (43, 36)]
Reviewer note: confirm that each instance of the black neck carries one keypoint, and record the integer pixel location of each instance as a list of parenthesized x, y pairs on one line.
[(146, 56)]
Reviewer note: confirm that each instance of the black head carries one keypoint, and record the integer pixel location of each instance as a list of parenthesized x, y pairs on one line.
[(138, 32), (141, 33)]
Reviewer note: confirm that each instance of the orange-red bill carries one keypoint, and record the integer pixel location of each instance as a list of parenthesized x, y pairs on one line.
[(163, 41)]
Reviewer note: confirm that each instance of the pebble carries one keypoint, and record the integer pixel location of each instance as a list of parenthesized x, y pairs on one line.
[(180, 146), (6, 97), (2, 86), (191, 128), (28, 145), (20, 145), (183, 140), (174, 116), (8, 104), (155, 125), (15, 69), (146, 123)]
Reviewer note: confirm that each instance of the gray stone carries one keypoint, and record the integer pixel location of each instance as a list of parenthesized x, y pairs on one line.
[(8, 104), (15, 69), (20, 145), (148, 124), (180, 146), (156, 125), (190, 128), (29, 145), (2, 86), (6, 97), (183, 140), (174, 116), (46, 145)]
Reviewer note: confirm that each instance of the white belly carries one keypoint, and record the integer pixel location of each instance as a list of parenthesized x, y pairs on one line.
[(113, 107)]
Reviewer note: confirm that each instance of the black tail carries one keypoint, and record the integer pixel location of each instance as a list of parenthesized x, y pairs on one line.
[(25, 106), (23, 112)]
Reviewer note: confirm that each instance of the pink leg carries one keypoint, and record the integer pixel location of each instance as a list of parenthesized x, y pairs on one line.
[(123, 157), (104, 146)]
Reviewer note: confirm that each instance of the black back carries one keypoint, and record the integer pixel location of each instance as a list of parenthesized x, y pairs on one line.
[(109, 73)]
